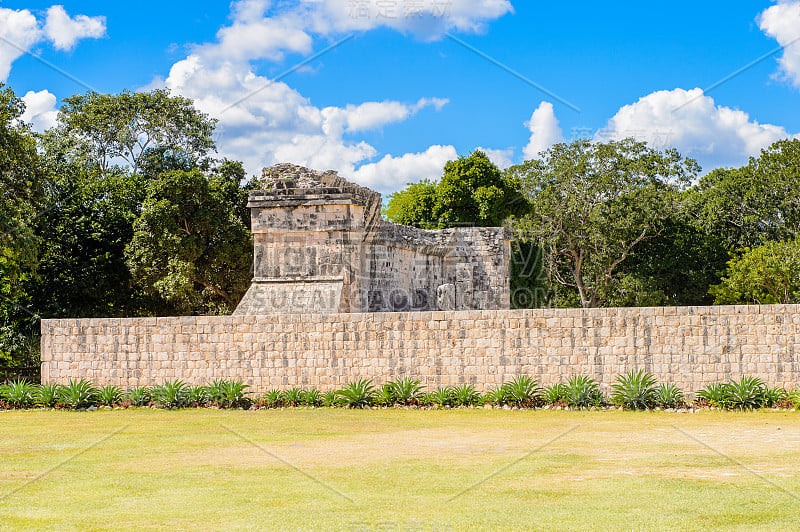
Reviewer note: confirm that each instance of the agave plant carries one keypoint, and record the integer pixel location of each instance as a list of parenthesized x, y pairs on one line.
[(583, 391), (47, 394), (197, 395), (715, 394), (358, 394), (312, 397), (331, 399), (794, 398), (77, 394), (748, 393), (465, 395), (404, 391), (19, 393), (498, 396), (555, 394), (440, 397), (522, 391), (234, 395), (138, 396), (215, 391), (109, 395), (636, 390), (294, 397), (170, 394), (273, 399), (668, 395), (776, 396), (384, 396)]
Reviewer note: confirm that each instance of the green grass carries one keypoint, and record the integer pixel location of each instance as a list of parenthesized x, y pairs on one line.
[(398, 470)]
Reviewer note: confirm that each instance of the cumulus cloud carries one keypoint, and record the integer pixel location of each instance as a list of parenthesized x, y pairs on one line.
[(275, 123), (544, 129), (20, 28), (693, 123), (65, 31), (426, 19), (782, 23), (21, 31), (40, 110), (386, 174), (501, 158)]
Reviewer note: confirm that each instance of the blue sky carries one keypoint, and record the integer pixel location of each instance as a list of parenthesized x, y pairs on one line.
[(402, 96)]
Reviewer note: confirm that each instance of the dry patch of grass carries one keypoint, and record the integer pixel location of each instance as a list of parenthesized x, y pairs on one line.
[(399, 470)]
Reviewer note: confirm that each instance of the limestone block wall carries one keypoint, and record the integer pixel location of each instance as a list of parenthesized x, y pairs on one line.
[(690, 346)]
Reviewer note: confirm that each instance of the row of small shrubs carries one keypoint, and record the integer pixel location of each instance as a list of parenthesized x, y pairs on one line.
[(637, 390), (82, 394)]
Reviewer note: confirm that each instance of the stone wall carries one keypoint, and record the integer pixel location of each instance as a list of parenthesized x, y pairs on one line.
[(690, 346), (321, 246)]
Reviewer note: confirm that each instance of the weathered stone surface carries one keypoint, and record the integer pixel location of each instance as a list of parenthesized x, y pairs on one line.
[(690, 346), (321, 246)]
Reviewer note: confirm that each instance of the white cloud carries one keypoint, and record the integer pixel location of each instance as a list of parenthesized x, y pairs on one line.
[(20, 28), (695, 125), (426, 19), (544, 129), (782, 23), (387, 174), (501, 158), (22, 31), (40, 110), (65, 31), (275, 123)]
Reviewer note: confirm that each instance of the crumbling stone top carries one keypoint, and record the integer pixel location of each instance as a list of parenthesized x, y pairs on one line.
[(286, 182)]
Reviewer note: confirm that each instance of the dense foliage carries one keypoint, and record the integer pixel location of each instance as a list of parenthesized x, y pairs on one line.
[(636, 390)]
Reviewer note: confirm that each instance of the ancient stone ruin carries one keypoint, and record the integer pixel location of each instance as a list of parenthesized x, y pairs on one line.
[(322, 246)]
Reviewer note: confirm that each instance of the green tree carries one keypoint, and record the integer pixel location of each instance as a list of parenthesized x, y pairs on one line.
[(20, 196), (592, 204), (764, 275), (472, 192), (190, 245), (749, 206), (413, 205), (106, 128)]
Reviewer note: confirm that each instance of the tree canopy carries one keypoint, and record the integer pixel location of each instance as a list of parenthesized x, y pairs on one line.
[(106, 128), (471, 192), (593, 203)]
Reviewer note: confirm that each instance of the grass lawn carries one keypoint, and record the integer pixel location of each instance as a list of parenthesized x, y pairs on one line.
[(399, 470)]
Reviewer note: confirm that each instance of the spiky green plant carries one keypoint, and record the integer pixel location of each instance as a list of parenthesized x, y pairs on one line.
[(293, 397), (170, 394), (555, 394), (19, 393), (138, 395), (748, 393), (775, 396), (47, 394), (668, 395), (523, 391), (404, 391), (77, 394), (715, 394), (234, 395), (109, 395), (384, 396), (197, 396), (441, 397), (273, 399), (635, 390), (331, 399), (794, 398), (215, 391), (358, 394), (312, 397), (465, 395), (499, 396), (583, 392)]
